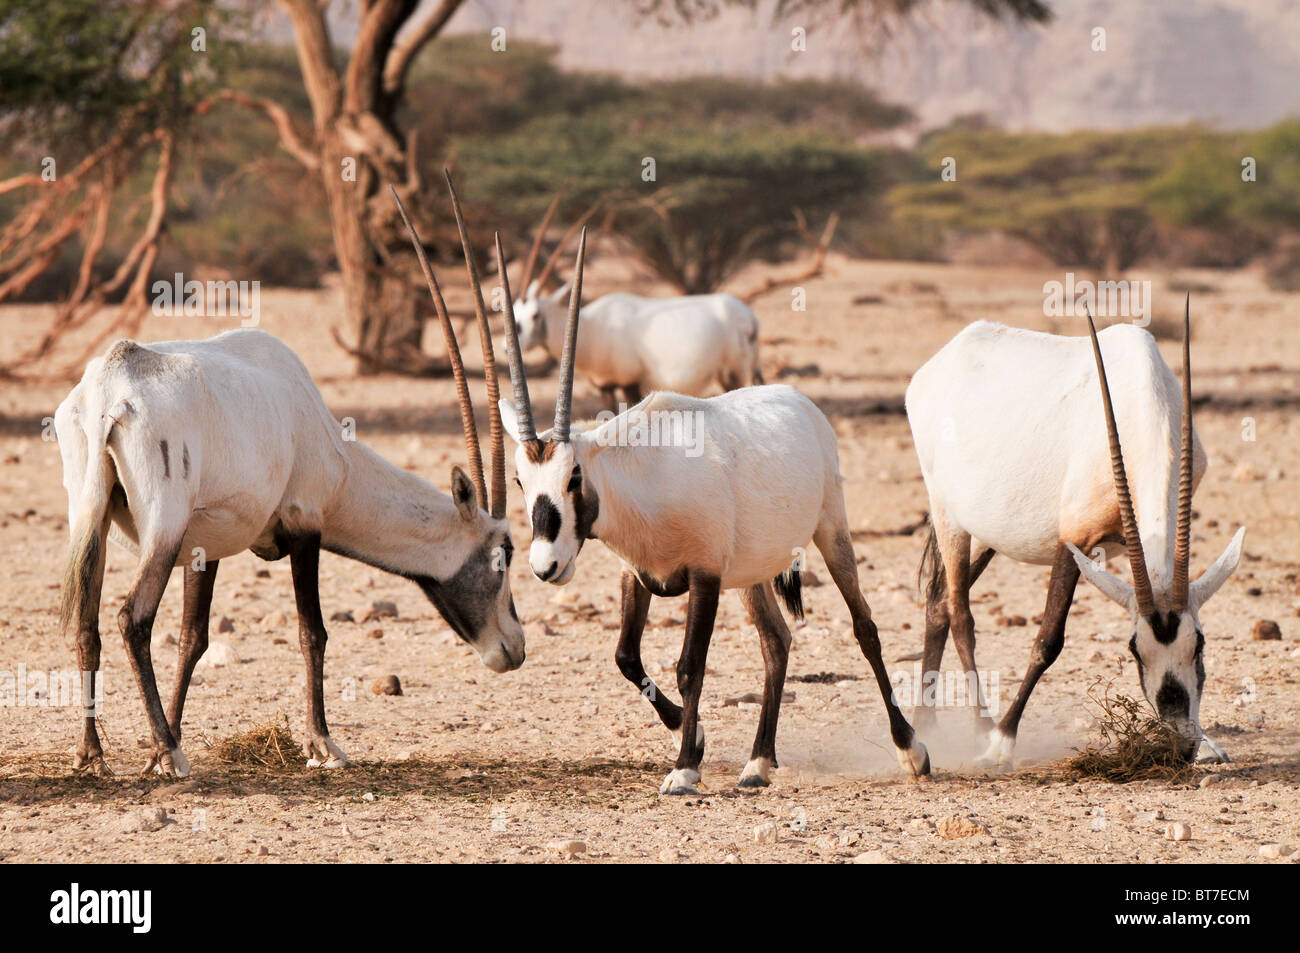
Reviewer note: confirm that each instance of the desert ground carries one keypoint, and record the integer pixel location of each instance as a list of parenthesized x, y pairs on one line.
[(468, 766)]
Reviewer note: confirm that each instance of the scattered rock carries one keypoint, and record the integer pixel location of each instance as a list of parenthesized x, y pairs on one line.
[(262, 851), (955, 828), (375, 634), (225, 625), (1266, 630), (145, 819), (1017, 621), (567, 848), (368, 796), (388, 685), (275, 620), (1178, 831), (174, 790), (381, 609), (849, 838), (1244, 472), (749, 698), (731, 859), (219, 655), (873, 857), (1275, 851), (263, 574), (343, 615), (765, 834)]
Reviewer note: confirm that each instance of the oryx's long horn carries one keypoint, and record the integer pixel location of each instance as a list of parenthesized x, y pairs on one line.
[(1132, 541), (523, 406), (495, 435), (453, 355), (530, 265), (1183, 540), (564, 396), (554, 260)]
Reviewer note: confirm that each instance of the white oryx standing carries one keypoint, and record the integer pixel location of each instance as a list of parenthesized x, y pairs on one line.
[(1006, 428), (187, 452), (759, 481), (636, 344)]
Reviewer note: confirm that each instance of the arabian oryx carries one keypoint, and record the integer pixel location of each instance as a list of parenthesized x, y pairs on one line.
[(187, 452), (726, 509), (1017, 461), (636, 344)]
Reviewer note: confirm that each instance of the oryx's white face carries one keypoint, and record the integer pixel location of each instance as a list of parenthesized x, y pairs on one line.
[(534, 311), (560, 505), (1169, 647), (476, 601)]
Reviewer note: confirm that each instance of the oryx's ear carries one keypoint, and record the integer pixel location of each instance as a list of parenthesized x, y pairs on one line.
[(509, 418), (1214, 577), (561, 293), (1113, 587), (534, 289), (462, 494)]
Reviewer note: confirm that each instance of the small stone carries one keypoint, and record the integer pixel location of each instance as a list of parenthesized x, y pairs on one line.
[(343, 615), (919, 825), (1266, 630), (849, 838), (219, 655), (670, 855), (749, 698), (375, 634), (731, 859), (765, 834), (173, 790), (1178, 831), (263, 574), (225, 625), (1210, 780), (1275, 851), (381, 609), (955, 828), (1244, 472), (262, 851), (567, 848), (388, 685), (368, 796), (873, 857), (1017, 621), (535, 630), (275, 620), (145, 819)]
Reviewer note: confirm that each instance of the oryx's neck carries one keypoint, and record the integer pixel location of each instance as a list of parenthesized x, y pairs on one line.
[(554, 317), (394, 520)]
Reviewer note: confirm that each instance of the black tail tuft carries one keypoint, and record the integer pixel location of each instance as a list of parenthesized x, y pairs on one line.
[(789, 587), (930, 577)]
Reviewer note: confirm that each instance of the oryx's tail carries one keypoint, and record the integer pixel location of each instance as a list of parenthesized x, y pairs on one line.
[(789, 587), (84, 570)]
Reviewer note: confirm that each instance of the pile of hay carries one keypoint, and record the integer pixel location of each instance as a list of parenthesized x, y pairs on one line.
[(270, 745), (1135, 745)]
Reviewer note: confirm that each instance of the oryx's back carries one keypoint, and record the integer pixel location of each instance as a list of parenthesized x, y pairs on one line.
[(1011, 440)]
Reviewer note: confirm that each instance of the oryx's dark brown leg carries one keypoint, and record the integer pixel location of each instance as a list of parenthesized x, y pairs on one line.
[(632, 394), (609, 399), (954, 549), (701, 610), (832, 539), (304, 561), (136, 622), (90, 753), (774, 635), (199, 584), (936, 635), (636, 606), (1051, 637)]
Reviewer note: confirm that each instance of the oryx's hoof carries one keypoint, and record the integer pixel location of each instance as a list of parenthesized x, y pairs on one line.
[(1210, 753), (915, 760), (169, 764), (998, 755), (757, 773), (91, 763), (681, 781), (324, 753)]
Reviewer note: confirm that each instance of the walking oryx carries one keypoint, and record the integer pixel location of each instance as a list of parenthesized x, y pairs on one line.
[(636, 344), (725, 510), (1007, 431), (186, 452)]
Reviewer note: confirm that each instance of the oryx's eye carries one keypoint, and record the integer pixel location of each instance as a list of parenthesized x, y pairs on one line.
[(508, 548), (518, 484), (1133, 647), (575, 480)]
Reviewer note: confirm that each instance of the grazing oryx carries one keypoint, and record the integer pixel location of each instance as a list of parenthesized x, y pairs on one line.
[(637, 344), (1006, 428), (186, 452), (728, 511)]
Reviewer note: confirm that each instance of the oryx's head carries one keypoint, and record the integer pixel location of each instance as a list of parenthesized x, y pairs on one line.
[(537, 308), (560, 504), (1167, 640), (475, 600)]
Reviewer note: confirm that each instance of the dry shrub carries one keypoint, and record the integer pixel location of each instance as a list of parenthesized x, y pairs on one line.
[(270, 745), (1135, 744)]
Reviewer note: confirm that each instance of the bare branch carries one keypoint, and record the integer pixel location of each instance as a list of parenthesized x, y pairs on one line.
[(279, 116), (408, 45)]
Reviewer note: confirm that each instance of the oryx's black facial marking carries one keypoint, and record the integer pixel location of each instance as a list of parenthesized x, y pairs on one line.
[(467, 599), (167, 463), (546, 519), (185, 460), (1172, 700), (1164, 628)]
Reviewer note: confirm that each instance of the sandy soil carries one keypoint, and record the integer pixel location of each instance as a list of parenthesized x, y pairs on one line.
[(471, 766)]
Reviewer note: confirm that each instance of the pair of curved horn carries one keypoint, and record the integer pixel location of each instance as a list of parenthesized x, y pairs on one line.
[(564, 395), (495, 504), (1142, 589), (530, 264)]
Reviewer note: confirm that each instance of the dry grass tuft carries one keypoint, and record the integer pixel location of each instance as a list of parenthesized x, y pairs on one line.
[(1135, 745), (270, 745)]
